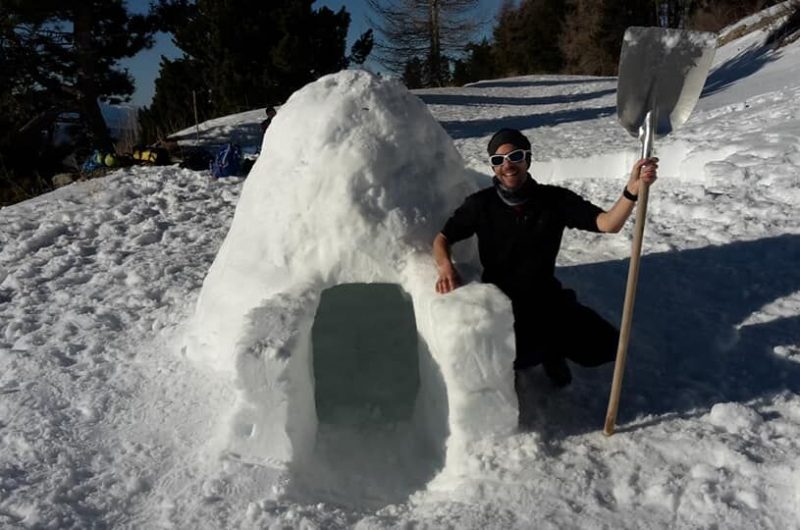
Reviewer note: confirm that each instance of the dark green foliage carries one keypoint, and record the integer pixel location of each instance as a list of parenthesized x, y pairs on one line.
[(506, 32), (478, 64), (526, 38), (172, 107), (56, 57), (413, 73), (362, 47), (421, 73), (311, 44), (618, 15), (243, 54), (594, 29)]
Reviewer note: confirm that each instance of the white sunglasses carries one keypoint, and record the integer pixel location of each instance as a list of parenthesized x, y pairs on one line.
[(516, 156)]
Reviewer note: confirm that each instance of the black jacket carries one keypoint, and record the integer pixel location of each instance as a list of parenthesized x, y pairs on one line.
[(518, 245)]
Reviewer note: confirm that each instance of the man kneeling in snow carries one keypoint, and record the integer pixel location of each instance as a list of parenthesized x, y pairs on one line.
[(519, 224)]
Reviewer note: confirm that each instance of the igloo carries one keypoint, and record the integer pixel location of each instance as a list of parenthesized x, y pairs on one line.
[(354, 181)]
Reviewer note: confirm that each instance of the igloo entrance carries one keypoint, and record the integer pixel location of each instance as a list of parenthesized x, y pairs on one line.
[(371, 449), (364, 347)]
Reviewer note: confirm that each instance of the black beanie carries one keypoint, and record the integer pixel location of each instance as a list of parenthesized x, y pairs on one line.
[(508, 136)]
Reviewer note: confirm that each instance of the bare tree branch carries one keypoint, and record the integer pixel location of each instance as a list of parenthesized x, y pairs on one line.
[(430, 31)]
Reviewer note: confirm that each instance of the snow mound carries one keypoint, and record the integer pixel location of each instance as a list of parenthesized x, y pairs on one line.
[(734, 417), (354, 181)]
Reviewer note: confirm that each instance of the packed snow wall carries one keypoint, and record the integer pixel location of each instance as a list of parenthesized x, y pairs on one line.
[(354, 181)]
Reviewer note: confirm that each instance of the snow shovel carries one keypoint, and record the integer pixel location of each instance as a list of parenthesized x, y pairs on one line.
[(661, 74)]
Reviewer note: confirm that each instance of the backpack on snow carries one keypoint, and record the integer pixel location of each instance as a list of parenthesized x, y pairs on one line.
[(100, 159), (227, 162), (93, 162)]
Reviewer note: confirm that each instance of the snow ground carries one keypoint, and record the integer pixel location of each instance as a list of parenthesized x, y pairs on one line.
[(104, 423)]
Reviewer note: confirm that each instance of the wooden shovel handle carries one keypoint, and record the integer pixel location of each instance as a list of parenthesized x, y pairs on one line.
[(627, 311)]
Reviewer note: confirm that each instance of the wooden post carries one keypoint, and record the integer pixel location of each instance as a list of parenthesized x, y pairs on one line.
[(196, 124)]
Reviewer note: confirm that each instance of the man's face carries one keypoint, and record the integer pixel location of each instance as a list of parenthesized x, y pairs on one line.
[(510, 174)]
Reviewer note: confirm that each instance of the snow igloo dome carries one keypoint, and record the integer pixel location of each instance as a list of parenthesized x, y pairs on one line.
[(320, 305)]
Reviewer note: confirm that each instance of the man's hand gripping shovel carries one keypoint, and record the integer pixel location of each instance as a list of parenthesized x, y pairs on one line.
[(661, 74)]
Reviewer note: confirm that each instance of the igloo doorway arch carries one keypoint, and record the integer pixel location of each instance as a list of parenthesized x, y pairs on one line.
[(465, 356)]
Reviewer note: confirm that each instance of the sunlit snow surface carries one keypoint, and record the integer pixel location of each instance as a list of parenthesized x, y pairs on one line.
[(104, 423)]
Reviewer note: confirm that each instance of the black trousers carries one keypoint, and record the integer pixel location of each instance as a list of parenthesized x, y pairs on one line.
[(561, 327)]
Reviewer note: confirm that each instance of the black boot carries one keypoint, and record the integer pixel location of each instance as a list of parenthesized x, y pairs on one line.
[(557, 371)]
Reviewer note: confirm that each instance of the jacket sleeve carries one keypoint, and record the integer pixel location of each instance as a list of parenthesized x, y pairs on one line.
[(578, 212), (464, 221)]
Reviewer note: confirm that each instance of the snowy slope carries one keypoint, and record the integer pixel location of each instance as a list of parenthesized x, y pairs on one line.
[(104, 423)]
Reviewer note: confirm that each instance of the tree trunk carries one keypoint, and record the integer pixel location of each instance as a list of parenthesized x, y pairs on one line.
[(435, 58), (87, 92)]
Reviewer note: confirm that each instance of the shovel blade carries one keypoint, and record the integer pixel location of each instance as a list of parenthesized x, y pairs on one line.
[(662, 70)]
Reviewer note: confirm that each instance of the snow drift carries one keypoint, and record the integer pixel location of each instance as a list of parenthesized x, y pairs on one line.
[(352, 198)]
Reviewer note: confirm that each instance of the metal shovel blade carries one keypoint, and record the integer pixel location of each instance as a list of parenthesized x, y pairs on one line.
[(662, 70)]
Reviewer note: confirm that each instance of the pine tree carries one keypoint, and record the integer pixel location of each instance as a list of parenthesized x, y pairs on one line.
[(61, 55), (593, 33), (177, 92), (413, 73), (527, 36), (506, 33), (580, 40), (478, 64), (431, 31), (242, 54), (362, 47)]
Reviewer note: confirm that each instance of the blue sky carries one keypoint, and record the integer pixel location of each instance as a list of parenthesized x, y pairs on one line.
[(144, 66)]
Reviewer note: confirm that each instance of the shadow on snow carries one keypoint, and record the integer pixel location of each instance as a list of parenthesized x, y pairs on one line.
[(486, 127), (690, 346), (538, 82), (743, 65), (483, 99)]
